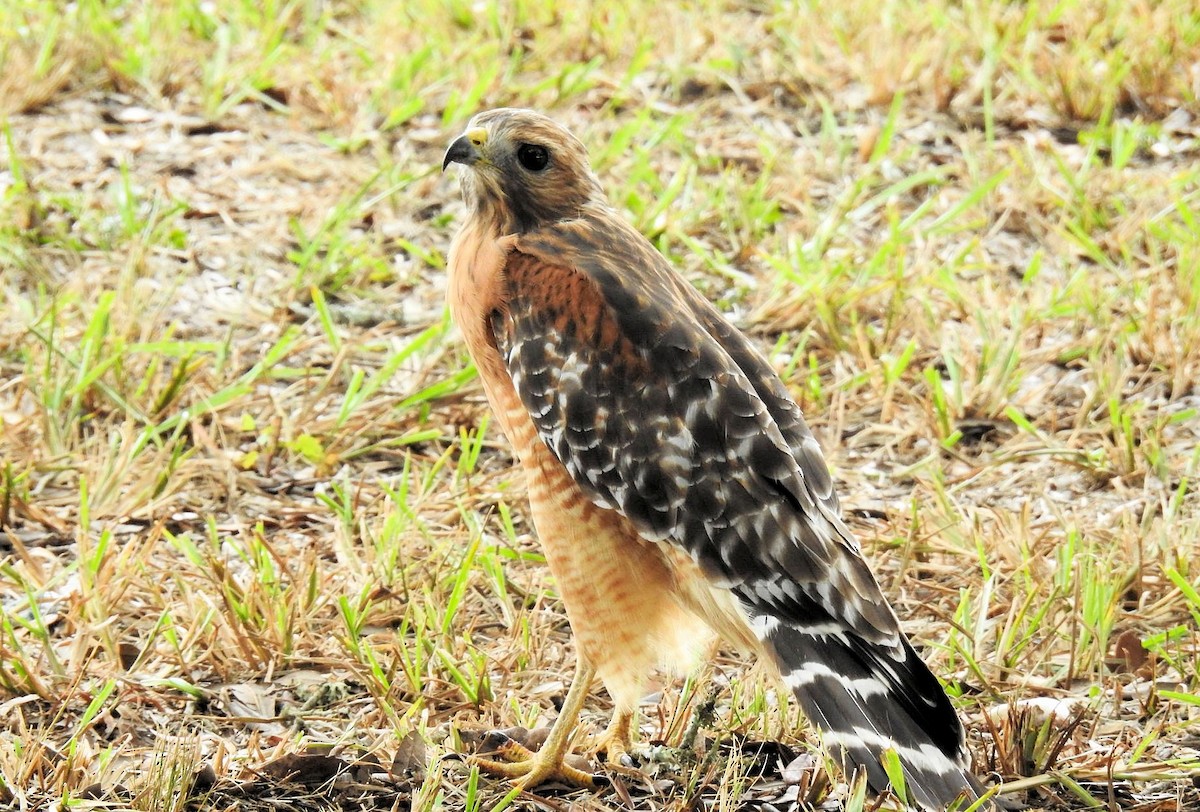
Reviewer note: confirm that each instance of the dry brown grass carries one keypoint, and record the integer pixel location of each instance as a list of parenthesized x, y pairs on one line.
[(255, 525)]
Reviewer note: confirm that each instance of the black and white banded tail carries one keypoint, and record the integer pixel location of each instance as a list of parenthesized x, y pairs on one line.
[(866, 698)]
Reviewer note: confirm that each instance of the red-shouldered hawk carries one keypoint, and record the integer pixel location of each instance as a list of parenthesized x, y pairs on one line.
[(673, 482)]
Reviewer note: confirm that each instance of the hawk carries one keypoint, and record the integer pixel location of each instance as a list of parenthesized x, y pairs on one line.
[(673, 482)]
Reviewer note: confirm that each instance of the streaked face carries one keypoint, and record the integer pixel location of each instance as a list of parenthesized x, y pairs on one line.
[(524, 169)]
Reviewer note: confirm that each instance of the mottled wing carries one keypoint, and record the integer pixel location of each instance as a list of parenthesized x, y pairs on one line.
[(619, 368), (775, 397)]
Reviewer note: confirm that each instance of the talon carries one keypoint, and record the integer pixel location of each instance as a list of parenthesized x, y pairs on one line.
[(496, 740), (528, 769), (615, 743), (537, 770), (501, 744)]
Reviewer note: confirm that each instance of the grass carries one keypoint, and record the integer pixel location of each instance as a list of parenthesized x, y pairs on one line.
[(261, 547)]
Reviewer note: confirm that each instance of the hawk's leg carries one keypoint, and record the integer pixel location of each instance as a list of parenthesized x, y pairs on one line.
[(526, 768), (616, 741)]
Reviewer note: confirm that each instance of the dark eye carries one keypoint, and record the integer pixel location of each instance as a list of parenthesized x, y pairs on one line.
[(533, 157)]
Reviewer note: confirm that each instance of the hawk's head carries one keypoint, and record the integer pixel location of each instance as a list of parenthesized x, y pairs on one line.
[(525, 170)]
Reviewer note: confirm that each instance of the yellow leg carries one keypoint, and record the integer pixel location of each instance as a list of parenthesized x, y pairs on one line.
[(617, 740), (528, 769)]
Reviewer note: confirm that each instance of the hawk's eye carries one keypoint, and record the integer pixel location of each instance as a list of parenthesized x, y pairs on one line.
[(533, 157)]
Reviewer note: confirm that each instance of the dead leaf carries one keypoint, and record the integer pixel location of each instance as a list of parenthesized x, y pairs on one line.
[(303, 768), (411, 757), (1129, 655)]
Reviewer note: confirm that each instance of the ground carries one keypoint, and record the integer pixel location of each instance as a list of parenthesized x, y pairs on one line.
[(260, 546)]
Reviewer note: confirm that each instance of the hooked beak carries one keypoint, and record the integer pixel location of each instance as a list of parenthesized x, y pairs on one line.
[(466, 149)]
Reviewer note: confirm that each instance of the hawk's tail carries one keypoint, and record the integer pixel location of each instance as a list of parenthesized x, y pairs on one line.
[(866, 698)]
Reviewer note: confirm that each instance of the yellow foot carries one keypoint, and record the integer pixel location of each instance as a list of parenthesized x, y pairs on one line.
[(528, 769), (616, 743), (614, 746)]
